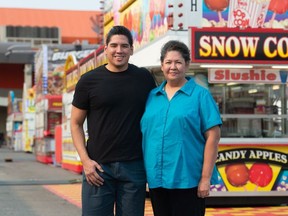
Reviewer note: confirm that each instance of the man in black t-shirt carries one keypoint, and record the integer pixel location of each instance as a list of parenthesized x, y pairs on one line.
[(113, 98)]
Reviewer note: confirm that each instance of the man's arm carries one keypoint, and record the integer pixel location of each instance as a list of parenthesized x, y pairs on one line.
[(78, 136)]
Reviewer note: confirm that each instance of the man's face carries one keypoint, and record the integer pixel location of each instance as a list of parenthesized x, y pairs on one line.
[(118, 52)]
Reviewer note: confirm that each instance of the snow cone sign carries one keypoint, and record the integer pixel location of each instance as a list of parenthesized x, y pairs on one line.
[(234, 45)]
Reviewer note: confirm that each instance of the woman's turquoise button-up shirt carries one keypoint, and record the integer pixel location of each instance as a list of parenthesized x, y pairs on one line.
[(173, 135)]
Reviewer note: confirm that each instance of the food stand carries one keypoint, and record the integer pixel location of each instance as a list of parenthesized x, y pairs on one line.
[(239, 52), (48, 115), (14, 122), (70, 157), (49, 74), (252, 159), (28, 129)]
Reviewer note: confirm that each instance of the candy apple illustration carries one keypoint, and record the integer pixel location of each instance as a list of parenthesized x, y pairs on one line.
[(237, 174), (278, 7), (260, 174), (218, 6)]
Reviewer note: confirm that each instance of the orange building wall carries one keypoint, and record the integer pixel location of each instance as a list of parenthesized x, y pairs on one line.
[(74, 25)]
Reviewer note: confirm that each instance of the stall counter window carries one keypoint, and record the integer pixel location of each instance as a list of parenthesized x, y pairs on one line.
[(252, 110)]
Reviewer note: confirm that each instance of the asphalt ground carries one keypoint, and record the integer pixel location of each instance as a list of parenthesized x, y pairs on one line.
[(31, 188), (22, 186)]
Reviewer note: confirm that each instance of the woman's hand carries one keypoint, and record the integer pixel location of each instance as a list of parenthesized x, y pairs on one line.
[(203, 188)]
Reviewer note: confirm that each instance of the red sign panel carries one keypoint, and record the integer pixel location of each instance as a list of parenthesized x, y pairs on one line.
[(232, 45), (54, 103)]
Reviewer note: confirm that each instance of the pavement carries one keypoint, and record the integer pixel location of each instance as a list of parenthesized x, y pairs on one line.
[(67, 185), (72, 193)]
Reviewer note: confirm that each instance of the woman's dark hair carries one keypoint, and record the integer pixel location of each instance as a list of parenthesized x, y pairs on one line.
[(119, 30), (175, 45)]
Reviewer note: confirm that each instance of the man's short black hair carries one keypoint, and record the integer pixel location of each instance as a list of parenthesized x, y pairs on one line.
[(119, 30)]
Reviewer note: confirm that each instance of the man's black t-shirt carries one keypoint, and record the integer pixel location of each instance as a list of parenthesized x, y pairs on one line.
[(115, 102)]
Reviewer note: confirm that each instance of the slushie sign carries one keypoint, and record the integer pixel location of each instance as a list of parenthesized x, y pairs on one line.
[(247, 76), (231, 45)]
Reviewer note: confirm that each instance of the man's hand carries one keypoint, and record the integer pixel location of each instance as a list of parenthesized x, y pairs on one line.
[(92, 176)]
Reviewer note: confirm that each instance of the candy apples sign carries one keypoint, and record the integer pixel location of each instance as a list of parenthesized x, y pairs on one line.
[(233, 45), (252, 169)]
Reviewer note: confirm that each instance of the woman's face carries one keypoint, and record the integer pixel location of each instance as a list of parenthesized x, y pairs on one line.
[(174, 66)]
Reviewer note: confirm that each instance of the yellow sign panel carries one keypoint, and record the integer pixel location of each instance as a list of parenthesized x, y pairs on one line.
[(252, 168)]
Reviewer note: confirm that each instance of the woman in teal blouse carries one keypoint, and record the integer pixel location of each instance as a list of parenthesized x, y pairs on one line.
[(181, 131)]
